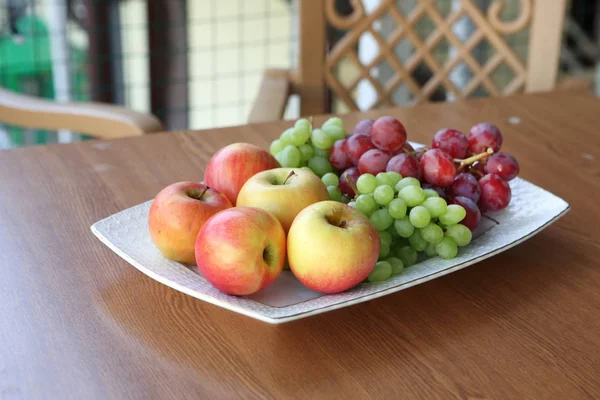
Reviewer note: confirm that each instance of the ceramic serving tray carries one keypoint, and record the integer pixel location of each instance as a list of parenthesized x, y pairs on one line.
[(126, 233)]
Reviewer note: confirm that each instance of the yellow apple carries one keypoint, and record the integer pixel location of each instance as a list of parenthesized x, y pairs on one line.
[(284, 192), (332, 247)]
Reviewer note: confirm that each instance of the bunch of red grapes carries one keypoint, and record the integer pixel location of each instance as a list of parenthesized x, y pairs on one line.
[(468, 170)]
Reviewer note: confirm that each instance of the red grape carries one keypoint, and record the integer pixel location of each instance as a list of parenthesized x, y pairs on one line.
[(373, 161), (388, 134), (452, 142), (344, 185), (502, 164), (465, 185), (438, 167), (471, 220), (495, 193), (483, 136), (358, 145), (419, 155), (338, 155), (405, 165), (364, 127), (438, 189)]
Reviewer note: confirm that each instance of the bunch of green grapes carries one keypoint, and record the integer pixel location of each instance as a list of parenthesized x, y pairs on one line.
[(410, 220), (303, 146)]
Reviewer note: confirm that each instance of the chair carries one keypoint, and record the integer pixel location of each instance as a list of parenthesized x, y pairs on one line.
[(102, 121), (419, 73)]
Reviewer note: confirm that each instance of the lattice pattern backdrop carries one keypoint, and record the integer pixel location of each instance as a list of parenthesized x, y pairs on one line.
[(424, 50)]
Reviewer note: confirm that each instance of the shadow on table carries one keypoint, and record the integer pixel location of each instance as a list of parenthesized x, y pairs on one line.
[(446, 315)]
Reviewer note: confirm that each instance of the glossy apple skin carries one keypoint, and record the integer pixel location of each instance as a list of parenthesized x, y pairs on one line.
[(230, 168), (176, 215), (241, 250), (266, 190), (328, 258)]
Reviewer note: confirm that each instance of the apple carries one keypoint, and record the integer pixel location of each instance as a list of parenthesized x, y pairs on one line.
[(284, 192), (230, 167), (176, 215), (332, 247), (241, 250)]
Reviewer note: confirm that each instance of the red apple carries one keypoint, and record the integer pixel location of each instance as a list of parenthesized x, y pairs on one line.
[(332, 247), (241, 250), (176, 215), (230, 167)]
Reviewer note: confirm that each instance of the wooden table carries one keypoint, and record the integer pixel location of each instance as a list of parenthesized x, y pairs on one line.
[(76, 321)]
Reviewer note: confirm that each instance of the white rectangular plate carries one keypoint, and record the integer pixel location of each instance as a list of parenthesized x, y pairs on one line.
[(126, 233)]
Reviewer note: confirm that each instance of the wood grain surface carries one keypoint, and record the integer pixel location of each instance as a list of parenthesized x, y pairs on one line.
[(78, 322)]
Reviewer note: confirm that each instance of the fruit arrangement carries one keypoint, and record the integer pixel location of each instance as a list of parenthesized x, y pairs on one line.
[(337, 209)]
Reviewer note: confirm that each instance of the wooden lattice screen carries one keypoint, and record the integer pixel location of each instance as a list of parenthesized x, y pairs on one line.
[(427, 29)]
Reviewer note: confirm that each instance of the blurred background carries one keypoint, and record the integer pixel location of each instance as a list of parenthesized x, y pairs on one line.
[(198, 63)]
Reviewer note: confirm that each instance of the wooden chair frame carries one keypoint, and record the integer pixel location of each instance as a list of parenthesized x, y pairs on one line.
[(102, 121), (313, 76)]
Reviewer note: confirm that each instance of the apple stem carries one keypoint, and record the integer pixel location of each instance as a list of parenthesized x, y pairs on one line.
[(477, 157), (292, 173), (204, 191)]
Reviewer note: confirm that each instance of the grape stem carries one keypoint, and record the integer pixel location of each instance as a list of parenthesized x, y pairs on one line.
[(471, 160), (353, 187), (292, 173)]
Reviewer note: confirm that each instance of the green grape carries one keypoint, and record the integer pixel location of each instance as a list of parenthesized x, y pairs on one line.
[(320, 165), (366, 203), (397, 208), (276, 146), (436, 206), (419, 217), (431, 193), (432, 233), (286, 137), (307, 152), (307, 169), (460, 234), (395, 177), (384, 250), (330, 179), (321, 140), (403, 227), (321, 152), (299, 136), (381, 219), (453, 215), (381, 272), (397, 265), (384, 179), (447, 248), (334, 121), (352, 204), (289, 157), (430, 250), (334, 132), (412, 195), (407, 255), (334, 193), (385, 237), (366, 183), (383, 195), (416, 241), (345, 199), (408, 181), (303, 124)]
